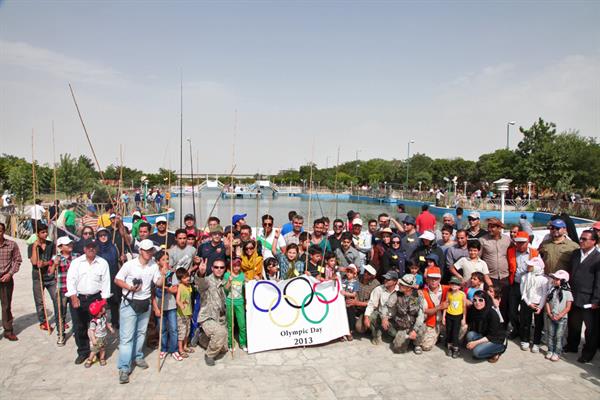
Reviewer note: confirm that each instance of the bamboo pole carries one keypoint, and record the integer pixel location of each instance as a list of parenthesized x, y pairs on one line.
[(336, 181), (58, 299), (162, 302)]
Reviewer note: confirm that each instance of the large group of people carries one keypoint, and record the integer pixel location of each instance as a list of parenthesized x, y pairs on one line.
[(415, 281)]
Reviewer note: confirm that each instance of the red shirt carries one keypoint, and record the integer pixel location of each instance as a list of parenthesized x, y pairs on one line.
[(425, 222)]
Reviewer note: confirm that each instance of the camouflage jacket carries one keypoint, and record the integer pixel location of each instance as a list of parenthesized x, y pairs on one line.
[(406, 312), (212, 299)]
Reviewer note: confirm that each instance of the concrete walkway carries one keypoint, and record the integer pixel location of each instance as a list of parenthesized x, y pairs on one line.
[(34, 368)]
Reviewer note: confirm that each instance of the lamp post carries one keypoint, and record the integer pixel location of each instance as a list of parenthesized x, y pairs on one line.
[(508, 124), (407, 163), (502, 186), (465, 191), (455, 181), (446, 199), (420, 186), (529, 191)]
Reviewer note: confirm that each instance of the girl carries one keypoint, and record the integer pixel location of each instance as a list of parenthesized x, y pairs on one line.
[(558, 305), (169, 326), (289, 264), (534, 287), (271, 267), (234, 302)]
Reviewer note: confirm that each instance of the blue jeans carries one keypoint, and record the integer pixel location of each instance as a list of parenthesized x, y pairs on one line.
[(132, 334), (484, 350), (169, 331), (556, 331)]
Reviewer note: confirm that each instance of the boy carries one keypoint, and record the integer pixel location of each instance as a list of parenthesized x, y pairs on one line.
[(475, 284), (471, 264), (62, 263), (413, 269), (184, 311), (350, 288), (455, 315), (97, 332), (234, 302), (330, 269)]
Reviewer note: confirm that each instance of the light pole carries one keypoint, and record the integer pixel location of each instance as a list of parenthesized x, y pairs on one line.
[(465, 191), (529, 191), (455, 181), (420, 186), (407, 163), (508, 132), (356, 170), (447, 197), (502, 186)]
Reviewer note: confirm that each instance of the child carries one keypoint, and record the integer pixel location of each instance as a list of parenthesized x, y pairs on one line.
[(184, 312), (534, 287), (234, 302), (62, 263), (472, 263), (191, 239), (558, 305), (473, 285), (271, 268), (455, 315), (329, 270), (494, 293), (97, 332), (413, 268), (350, 288)]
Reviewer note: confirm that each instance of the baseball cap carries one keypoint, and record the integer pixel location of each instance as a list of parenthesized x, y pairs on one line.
[(407, 280), (63, 240), (409, 219), (101, 229), (96, 306), (237, 217), (113, 215), (427, 235), (91, 208), (189, 216), (560, 274), (455, 280), (558, 223), (146, 244), (390, 275), (536, 262), (161, 219), (522, 236), (433, 272), (216, 229), (137, 214), (596, 225), (370, 269), (433, 257), (357, 221), (474, 215)]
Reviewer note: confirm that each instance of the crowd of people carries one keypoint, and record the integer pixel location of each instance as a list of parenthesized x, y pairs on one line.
[(411, 280)]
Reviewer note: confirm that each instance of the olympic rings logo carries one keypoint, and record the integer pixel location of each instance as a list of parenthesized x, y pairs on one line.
[(298, 306)]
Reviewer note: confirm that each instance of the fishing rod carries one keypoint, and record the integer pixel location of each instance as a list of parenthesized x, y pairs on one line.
[(181, 152), (192, 173), (336, 181)]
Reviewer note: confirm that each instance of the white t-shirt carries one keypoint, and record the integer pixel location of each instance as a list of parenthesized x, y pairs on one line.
[(469, 266), (266, 253), (132, 269), (37, 212)]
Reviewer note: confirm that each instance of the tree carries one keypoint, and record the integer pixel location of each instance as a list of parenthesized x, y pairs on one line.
[(73, 175), (20, 181), (496, 165)]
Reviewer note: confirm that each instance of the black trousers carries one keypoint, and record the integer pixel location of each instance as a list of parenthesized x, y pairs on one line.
[(81, 319), (525, 315), (577, 317), (514, 299), (453, 329), (504, 291)]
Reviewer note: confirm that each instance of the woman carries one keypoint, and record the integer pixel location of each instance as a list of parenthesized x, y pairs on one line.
[(252, 263), (109, 252), (485, 337), (394, 258), (169, 326), (271, 268), (383, 245), (289, 264), (87, 235)]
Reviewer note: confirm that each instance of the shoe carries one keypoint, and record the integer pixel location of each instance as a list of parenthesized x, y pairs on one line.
[(209, 361), (548, 355), (583, 360), (449, 351), (45, 327), (455, 352), (375, 341), (535, 348), (11, 336), (524, 346), (123, 377), (513, 335), (80, 359), (418, 350), (555, 357), (61, 341), (141, 364), (494, 359)]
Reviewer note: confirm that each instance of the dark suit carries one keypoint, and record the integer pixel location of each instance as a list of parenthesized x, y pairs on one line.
[(585, 286)]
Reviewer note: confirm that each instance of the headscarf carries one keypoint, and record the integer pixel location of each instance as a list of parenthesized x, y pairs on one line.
[(477, 319), (564, 286), (109, 252)]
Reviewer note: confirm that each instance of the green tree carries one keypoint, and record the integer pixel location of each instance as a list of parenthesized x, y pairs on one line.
[(19, 181), (73, 175), (493, 166)]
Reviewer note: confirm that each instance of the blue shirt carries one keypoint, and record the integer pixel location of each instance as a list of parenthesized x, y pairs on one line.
[(286, 228)]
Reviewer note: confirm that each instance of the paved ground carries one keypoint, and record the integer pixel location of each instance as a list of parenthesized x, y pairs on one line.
[(34, 367)]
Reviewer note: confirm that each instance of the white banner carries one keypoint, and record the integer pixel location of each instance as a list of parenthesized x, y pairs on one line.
[(296, 312)]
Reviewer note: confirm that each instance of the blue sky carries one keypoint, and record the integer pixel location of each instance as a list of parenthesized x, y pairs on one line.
[(365, 76)]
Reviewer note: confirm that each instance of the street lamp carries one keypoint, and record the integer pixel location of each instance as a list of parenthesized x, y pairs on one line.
[(529, 191), (447, 180), (356, 170), (407, 163), (508, 131), (420, 186), (465, 191), (455, 180), (502, 186)]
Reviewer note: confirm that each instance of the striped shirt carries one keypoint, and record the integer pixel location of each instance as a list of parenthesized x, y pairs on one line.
[(91, 221)]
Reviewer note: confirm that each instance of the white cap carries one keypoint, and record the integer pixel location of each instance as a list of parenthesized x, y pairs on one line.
[(63, 240), (137, 213), (427, 235), (357, 221), (161, 219), (370, 269), (113, 215), (147, 244)]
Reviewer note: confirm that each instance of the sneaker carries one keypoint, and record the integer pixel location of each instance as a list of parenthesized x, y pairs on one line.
[(455, 352), (535, 348), (549, 355), (449, 351), (61, 341), (244, 348), (141, 364), (418, 350), (494, 359), (209, 361), (555, 357), (524, 346), (80, 359), (123, 377)]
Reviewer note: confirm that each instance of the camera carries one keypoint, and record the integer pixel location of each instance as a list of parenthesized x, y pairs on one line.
[(137, 282)]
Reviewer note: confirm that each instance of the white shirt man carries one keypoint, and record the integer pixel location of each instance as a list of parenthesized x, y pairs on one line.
[(37, 212)]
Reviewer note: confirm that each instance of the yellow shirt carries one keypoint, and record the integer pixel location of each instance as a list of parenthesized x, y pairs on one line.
[(104, 220), (455, 302)]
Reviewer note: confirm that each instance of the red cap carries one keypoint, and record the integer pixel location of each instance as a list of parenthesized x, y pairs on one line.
[(522, 236), (596, 225), (433, 272), (96, 307)]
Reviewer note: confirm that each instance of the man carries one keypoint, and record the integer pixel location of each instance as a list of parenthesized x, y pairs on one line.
[(125, 201), (135, 278), (104, 219), (410, 239), (54, 211), (401, 208), (460, 220), (90, 218), (213, 250), (376, 307), (144, 233), (357, 306), (212, 313), (287, 227), (119, 236), (517, 255), (584, 269), (37, 213), (596, 228), (447, 219), (319, 235), (347, 254), (137, 198), (270, 237), (494, 248), (458, 251), (434, 295), (238, 220), (445, 240), (372, 228), (10, 261), (40, 253), (335, 239), (181, 255), (557, 250), (161, 235), (293, 236), (361, 240), (426, 220), (438, 197), (403, 319), (475, 231), (427, 247), (88, 279)]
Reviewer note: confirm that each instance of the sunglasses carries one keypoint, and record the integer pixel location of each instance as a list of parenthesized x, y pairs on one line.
[(395, 242), (478, 300), (338, 226), (584, 239), (553, 228), (249, 248), (86, 233), (267, 224), (215, 267), (473, 219)]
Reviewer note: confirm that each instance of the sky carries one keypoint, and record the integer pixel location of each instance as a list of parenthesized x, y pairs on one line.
[(290, 82)]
